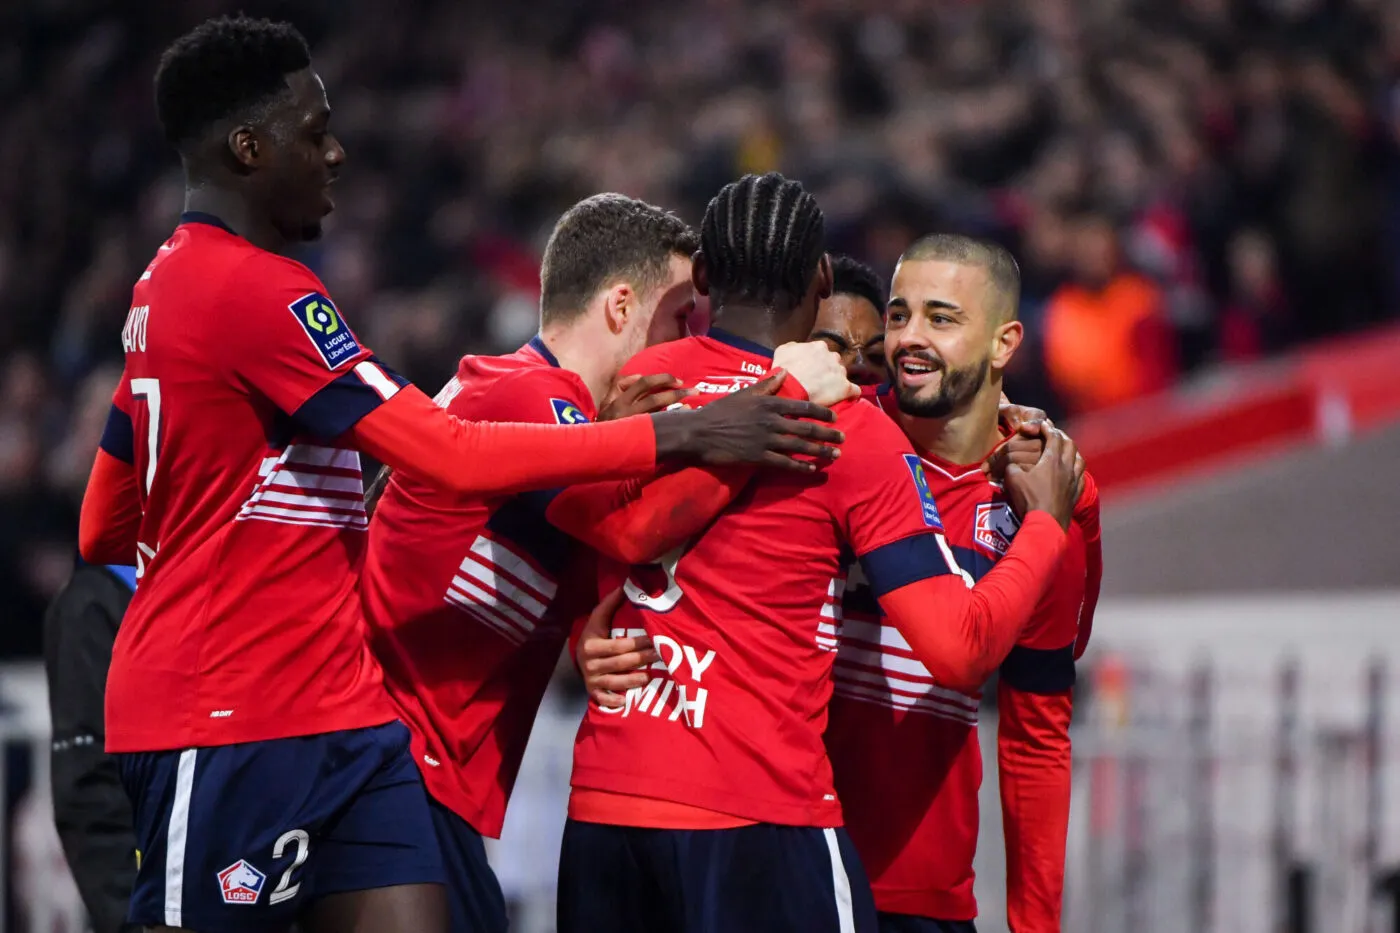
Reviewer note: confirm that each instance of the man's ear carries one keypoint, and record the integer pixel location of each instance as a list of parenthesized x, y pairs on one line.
[(243, 146), (825, 277), (700, 274), (1005, 342), (619, 303)]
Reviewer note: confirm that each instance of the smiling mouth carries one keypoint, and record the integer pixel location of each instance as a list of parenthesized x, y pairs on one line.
[(916, 371)]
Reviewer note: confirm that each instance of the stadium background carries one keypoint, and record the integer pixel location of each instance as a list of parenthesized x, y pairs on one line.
[(1241, 157)]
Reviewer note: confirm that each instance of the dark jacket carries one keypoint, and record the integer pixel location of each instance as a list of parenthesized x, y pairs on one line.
[(90, 805)]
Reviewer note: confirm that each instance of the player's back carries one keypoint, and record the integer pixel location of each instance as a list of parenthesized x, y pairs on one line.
[(745, 621), (468, 599), (905, 748), (245, 626)]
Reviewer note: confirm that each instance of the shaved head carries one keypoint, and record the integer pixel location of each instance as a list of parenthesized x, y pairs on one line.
[(1003, 275)]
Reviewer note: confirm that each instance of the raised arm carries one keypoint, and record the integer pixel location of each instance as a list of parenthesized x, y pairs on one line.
[(962, 634), (958, 631)]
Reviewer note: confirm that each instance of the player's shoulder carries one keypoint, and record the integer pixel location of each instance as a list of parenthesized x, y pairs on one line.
[(207, 246), (875, 449), (508, 389), (865, 422), (259, 272), (666, 357), (248, 295)]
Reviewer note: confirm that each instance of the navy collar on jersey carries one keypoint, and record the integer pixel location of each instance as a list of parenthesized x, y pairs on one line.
[(739, 343), (537, 344), (200, 217)]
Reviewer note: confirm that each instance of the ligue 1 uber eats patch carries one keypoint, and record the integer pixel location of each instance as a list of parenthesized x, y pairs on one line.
[(916, 469), (322, 322)]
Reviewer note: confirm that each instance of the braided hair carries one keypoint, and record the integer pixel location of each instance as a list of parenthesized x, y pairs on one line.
[(762, 240)]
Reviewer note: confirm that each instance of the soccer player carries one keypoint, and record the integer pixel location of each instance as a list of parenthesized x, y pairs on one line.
[(470, 598), (269, 780), (903, 742), (705, 803), (852, 323)]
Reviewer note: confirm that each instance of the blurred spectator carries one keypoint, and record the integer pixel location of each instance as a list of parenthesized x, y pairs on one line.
[(1256, 319), (1107, 335), (1242, 152)]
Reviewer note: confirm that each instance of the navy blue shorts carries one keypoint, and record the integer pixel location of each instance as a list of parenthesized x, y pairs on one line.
[(752, 879), (908, 923), (475, 901), (245, 837)]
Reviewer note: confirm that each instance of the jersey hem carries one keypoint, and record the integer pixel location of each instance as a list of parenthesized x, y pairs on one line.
[(461, 805), (720, 800), (132, 741), (936, 905)]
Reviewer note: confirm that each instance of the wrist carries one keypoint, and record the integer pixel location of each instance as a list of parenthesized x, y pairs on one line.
[(792, 388), (1043, 517), (674, 436)]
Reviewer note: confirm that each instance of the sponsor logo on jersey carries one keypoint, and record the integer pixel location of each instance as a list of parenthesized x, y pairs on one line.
[(332, 339), (994, 527), (674, 689), (723, 385), (916, 469), (566, 412), (241, 883)]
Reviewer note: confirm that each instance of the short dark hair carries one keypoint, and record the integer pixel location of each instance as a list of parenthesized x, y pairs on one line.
[(603, 240), (1003, 273), (762, 239), (850, 276), (223, 68)]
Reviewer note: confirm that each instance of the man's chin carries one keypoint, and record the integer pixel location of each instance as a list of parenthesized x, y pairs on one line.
[(912, 402)]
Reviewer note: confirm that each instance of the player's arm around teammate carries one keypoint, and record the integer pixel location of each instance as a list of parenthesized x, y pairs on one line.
[(960, 633), (637, 521)]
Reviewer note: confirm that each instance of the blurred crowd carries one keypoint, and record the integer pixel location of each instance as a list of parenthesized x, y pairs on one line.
[(1186, 182)]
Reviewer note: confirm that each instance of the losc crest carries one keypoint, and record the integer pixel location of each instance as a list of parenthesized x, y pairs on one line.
[(241, 883), (995, 527)]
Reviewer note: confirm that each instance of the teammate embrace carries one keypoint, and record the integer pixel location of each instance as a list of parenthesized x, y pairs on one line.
[(272, 780)]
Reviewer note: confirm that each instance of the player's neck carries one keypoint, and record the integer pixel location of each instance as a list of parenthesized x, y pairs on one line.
[(585, 358), (759, 325), (235, 212), (963, 438)]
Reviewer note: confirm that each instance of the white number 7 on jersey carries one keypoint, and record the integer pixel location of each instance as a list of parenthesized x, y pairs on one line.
[(149, 391)]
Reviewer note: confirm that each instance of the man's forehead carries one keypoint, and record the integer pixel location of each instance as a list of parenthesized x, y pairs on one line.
[(852, 313), (308, 91), (938, 280)]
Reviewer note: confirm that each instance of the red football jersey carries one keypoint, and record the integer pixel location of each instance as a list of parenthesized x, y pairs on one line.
[(469, 599), (744, 618), (240, 373), (905, 749)]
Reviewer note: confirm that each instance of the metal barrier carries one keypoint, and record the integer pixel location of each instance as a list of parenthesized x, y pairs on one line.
[(1214, 801)]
